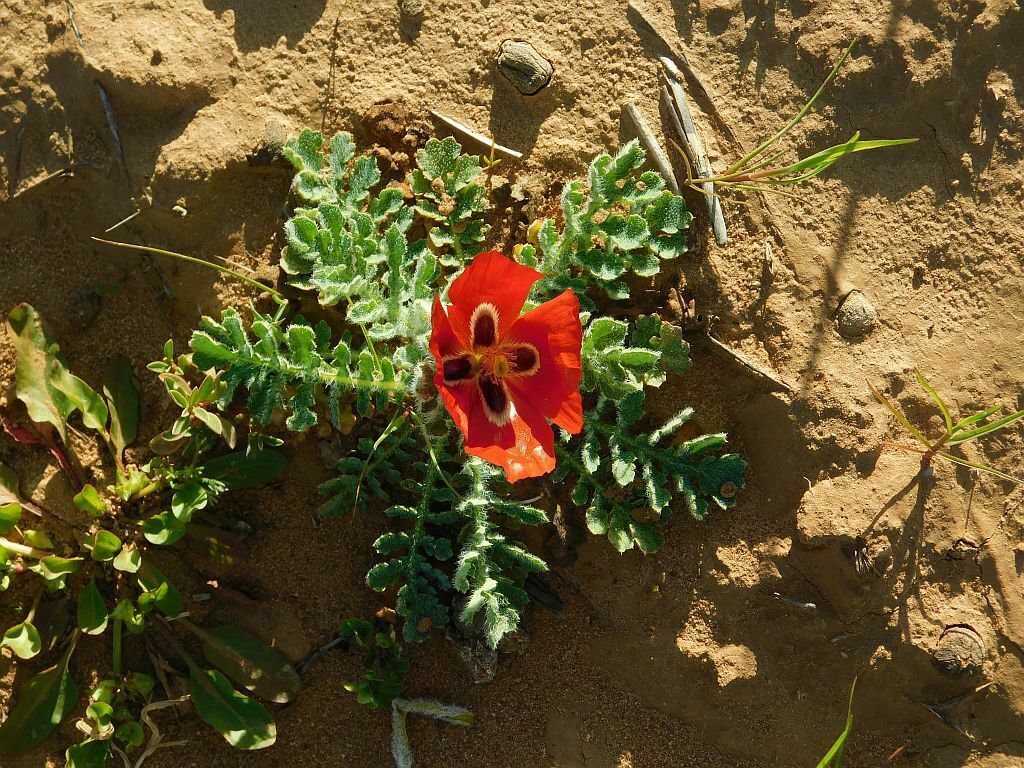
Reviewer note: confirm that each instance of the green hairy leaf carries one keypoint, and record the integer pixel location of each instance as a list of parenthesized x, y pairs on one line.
[(627, 475), (401, 749), (290, 369), (491, 567), (625, 221)]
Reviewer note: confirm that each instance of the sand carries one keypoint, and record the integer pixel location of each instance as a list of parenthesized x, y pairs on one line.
[(694, 656)]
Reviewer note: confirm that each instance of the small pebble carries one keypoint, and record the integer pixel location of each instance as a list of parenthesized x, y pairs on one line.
[(526, 69), (856, 317), (960, 651), (411, 9)]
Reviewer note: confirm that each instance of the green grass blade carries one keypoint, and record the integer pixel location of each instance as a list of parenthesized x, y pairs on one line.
[(796, 118), (979, 467), (826, 158), (938, 400), (979, 416), (984, 430), (902, 419), (766, 162), (833, 758)]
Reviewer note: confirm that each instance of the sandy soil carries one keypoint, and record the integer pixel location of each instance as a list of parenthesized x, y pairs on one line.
[(689, 657)]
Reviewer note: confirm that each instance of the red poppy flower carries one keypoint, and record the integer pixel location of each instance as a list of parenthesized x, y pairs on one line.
[(502, 376)]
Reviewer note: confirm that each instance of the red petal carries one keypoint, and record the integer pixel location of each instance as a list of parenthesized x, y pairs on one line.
[(492, 279), (570, 415), (554, 329), (443, 341), (533, 451)]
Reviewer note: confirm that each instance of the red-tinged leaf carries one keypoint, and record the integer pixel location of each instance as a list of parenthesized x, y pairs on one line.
[(29, 436), (38, 358)]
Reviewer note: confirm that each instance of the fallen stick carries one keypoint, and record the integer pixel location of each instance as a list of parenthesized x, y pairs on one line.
[(679, 109), (678, 52), (486, 141), (761, 371), (650, 143), (108, 110), (71, 17)]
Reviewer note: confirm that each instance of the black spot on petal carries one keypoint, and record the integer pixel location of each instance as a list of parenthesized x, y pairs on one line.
[(458, 368), (484, 326), (495, 399)]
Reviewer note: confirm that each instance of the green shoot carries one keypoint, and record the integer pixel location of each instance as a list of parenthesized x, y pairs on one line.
[(834, 757), (755, 171), (955, 433), (193, 260)]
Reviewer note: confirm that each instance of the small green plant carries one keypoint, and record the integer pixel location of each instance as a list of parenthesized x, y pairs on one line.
[(348, 242), (834, 757), (383, 665), (93, 568), (956, 433), (755, 171), (402, 284)]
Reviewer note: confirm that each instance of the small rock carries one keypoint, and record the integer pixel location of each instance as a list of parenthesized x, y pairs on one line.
[(960, 651), (267, 151), (411, 9), (530, 192), (856, 317), (526, 69)]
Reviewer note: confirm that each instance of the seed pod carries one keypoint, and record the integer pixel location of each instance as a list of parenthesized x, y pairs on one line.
[(526, 69), (728, 490)]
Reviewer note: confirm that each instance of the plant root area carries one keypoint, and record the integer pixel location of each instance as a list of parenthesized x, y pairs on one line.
[(736, 644)]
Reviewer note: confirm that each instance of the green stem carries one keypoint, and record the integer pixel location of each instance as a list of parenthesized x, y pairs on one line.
[(456, 243), (369, 346), (117, 647), (35, 606), (154, 485), (23, 549), (193, 260), (429, 443)]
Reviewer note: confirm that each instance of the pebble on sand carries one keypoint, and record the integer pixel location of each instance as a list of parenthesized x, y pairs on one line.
[(856, 317), (523, 66)]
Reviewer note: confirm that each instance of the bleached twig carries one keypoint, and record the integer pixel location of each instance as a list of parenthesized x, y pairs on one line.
[(486, 141)]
